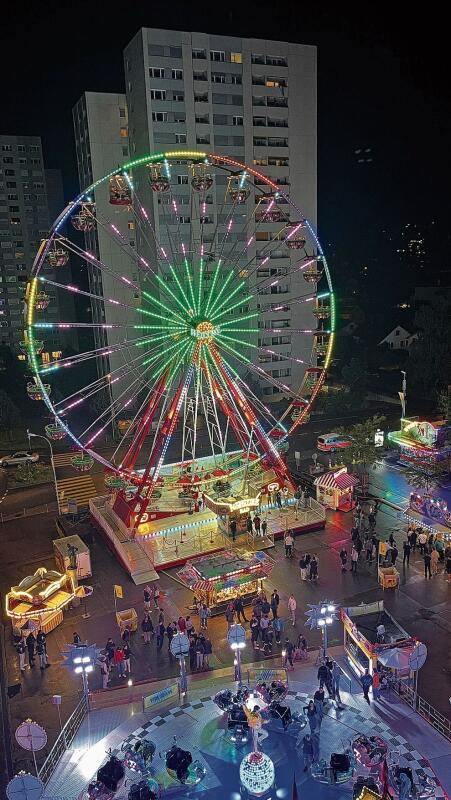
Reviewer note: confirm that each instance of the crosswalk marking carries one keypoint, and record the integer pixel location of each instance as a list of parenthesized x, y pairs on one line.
[(80, 488), (63, 459)]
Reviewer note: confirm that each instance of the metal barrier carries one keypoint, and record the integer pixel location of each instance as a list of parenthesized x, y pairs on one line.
[(63, 741), (430, 714), (45, 508)]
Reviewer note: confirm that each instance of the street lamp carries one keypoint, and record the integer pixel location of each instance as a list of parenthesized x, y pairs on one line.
[(236, 638), (38, 436), (81, 658), (320, 616)]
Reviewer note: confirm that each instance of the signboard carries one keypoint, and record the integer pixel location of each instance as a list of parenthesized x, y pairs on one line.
[(154, 699), (260, 675), (423, 432), (72, 507), (379, 438), (118, 591)]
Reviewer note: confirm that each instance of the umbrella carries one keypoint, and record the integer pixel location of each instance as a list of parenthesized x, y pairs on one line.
[(395, 658), (30, 626)]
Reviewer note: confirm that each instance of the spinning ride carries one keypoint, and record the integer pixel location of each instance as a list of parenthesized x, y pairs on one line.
[(187, 340)]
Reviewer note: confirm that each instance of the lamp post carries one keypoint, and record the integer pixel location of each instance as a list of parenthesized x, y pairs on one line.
[(236, 638), (179, 648), (39, 436), (320, 616), (403, 394), (81, 658)]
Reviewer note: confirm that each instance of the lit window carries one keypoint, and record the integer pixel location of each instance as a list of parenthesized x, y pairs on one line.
[(131, 225), (124, 132), (45, 358), (56, 354), (236, 58)]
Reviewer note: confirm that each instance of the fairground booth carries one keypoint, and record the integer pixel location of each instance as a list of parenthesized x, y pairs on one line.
[(422, 443), (217, 579), (335, 489), (362, 648)]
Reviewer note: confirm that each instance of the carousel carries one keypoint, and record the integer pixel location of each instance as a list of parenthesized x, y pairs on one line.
[(40, 598)]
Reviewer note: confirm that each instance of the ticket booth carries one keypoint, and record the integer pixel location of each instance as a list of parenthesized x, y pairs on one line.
[(335, 490)]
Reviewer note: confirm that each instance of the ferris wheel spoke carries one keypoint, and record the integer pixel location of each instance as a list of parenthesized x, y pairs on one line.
[(105, 351), (259, 370)]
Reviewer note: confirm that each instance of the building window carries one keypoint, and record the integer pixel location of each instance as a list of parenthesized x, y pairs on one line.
[(237, 120), (237, 79), (125, 151), (217, 55), (11, 184), (122, 113), (184, 220), (8, 160), (236, 58), (175, 52), (201, 98), (276, 83), (159, 116), (200, 76), (158, 94), (123, 132), (34, 148), (177, 74), (131, 225), (178, 97), (180, 138), (197, 53), (276, 61), (21, 148), (259, 121), (258, 58), (202, 119), (203, 139), (156, 72), (10, 171), (7, 148), (216, 77), (182, 180), (179, 116)]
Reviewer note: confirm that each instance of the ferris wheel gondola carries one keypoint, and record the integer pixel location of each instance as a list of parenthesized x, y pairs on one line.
[(191, 345)]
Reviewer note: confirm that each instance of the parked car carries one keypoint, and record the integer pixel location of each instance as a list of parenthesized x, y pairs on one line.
[(330, 442), (19, 458)]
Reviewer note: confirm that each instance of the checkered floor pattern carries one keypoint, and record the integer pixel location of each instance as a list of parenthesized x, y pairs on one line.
[(181, 720)]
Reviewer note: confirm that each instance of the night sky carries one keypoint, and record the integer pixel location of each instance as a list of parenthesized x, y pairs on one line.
[(382, 84)]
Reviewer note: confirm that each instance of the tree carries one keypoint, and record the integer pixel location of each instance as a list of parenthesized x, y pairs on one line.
[(362, 450), (430, 354), (444, 405), (9, 414), (426, 478), (354, 376)]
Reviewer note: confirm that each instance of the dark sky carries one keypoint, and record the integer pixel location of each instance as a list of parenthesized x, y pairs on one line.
[(383, 84)]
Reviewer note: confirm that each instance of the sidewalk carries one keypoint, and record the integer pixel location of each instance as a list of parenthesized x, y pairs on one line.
[(199, 726)]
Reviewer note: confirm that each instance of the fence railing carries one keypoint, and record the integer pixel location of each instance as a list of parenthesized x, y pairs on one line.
[(430, 714), (63, 741), (44, 508)]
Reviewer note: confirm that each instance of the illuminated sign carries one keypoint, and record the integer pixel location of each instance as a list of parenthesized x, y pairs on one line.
[(379, 438)]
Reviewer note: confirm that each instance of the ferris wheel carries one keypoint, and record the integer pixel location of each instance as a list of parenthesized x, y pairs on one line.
[(215, 300)]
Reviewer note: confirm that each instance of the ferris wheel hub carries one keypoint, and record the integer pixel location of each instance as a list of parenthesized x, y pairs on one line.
[(204, 330)]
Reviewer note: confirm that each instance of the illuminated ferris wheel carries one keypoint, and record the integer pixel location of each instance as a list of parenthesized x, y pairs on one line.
[(220, 303)]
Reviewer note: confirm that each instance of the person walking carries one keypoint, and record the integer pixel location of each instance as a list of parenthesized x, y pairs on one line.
[(289, 542), (161, 630), (367, 682), (264, 527), (127, 656), (369, 551), (406, 549), (427, 564), (376, 685), (171, 630), (204, 613), (109, 650), (76, 639), (119, 661), (233, 529), (394, 554), (289, 648), (249, 524), (21, 650), (422, 539), (264, 625), (344, 559), (156, 597), (354, 559), (413, 540), (292, 605), (239, 609), (278, 499), (147, 628), (230, 614), (31, 646), (307, 752), (313, 718), (147, 595), (104, 671), (275, 600), (257, 524), (322, 675)]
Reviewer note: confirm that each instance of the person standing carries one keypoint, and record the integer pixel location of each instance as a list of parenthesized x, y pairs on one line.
[(239, 609), (264, 625), (278, 626), (42, 639), (427, 564), (119, 661), (314, 568), (109, 650), (147, 595), (292, 605), (367, 682), (312, 717), (307, 752), (76, 639), (264, 527), (21, 649), (303, 568), (156, 597), (406, 548), (289, 648), (376, 684), (189, 625), (249, 524), (448, 569), (160, 635), (204, 613), (354, 559), (147, 628), (434, 561), (182, 624), (285, 495), (257, 523), (394, 554), (233, 529), (105, 672), (31, 645), (127, 656), (230, 614), (278, 499), (275, 600), (380, 633), (255, 631), (289, 541), (422, 539), (344, 559), (336, 678), (413, 540), (208, 649), (369, 551), (200, 651)]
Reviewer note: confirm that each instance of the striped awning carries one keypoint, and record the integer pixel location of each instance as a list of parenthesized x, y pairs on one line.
[(330, 481)]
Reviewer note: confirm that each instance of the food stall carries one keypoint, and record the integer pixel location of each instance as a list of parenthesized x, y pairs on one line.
[(362, 648), (217, 579), (335, 489), (61, 549), (41, 598), (231, 507)]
